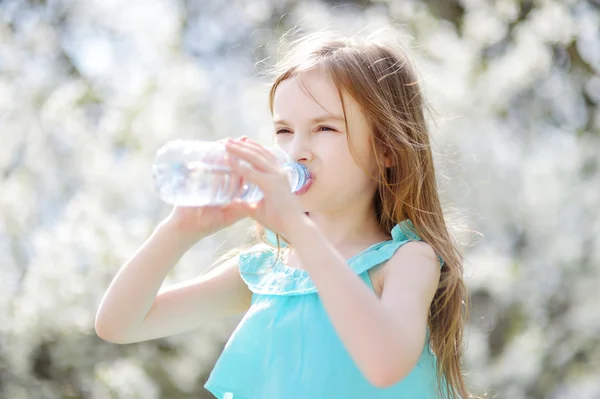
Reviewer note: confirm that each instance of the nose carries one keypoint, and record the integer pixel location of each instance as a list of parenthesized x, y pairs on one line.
[(300, 149)]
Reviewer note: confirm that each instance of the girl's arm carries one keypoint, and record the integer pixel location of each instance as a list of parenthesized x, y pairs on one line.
[(131, 310), (385, 337)]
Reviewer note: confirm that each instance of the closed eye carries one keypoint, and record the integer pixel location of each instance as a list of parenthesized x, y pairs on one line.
[(326, 128), (320, 129)]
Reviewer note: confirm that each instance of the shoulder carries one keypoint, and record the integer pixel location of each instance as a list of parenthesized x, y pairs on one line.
[(414, 255), (412, 262), (416, 249)]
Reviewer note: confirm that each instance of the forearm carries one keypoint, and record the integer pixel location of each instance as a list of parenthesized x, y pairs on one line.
[(371, 336), (133, 290)]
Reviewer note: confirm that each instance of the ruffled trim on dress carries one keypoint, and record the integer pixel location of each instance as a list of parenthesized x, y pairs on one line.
[(266, 275)]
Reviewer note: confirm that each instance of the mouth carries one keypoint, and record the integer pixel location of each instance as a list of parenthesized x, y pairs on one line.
[(305, 188)]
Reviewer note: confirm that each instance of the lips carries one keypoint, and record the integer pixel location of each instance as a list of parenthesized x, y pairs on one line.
[(305, 188)]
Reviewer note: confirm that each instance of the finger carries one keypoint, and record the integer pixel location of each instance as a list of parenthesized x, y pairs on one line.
[(251, 155), (244, 140), (228, 139), (260, 148), (246, 172)]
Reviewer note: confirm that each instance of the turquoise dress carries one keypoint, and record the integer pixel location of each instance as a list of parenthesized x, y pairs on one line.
[(285, 347)]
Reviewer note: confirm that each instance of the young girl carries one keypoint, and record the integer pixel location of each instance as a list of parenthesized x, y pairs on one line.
[(355, 288)]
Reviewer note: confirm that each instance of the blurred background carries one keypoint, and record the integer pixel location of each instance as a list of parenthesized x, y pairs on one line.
[(90, 89)]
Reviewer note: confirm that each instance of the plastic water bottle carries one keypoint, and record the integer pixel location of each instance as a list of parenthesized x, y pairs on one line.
[(195, 173)]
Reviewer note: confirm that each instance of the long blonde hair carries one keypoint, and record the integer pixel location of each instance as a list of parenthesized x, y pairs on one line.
[(383, 80)]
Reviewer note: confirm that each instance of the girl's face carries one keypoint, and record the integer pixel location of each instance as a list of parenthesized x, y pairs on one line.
[(309, 123)]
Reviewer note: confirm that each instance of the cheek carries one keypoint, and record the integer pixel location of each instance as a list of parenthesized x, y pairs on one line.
[(349, 172), (362, 159), (343, 163), (283, 141)]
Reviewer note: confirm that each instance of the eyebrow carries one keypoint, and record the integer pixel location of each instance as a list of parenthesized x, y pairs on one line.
[(322, 118)]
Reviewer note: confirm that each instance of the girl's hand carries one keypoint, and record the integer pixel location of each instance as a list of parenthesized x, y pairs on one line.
[(279, 209), (197, 222)]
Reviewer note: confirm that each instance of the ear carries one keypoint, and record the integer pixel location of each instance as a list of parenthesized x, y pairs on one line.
[(388, 159)]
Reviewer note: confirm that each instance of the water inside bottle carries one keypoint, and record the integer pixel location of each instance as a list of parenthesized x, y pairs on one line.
[(197, 183)]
